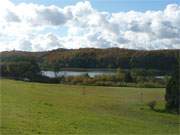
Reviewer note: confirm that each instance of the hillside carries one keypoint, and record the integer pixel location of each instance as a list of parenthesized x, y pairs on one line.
[(97, 58)]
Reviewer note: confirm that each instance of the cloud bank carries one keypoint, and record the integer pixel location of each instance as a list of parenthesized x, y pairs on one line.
[(33, 27)]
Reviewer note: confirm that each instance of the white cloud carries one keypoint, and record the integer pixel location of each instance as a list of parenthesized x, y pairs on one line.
[(33, 27), (47, 41), (12, 17), (25, 45), (50, 15)]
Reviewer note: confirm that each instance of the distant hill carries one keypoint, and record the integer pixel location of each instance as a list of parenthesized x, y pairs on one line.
[(97, 58)]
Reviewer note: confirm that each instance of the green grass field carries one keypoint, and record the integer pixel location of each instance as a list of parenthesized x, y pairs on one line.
[(54, 109)]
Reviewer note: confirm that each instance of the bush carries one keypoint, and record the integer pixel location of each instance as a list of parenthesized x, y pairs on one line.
[(152, 104), (150, 85), (128, 77)]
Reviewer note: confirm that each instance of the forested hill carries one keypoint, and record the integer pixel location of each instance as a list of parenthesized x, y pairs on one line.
[(97, 58)]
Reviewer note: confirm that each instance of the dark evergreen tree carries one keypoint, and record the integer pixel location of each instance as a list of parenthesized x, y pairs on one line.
[(173, 92)]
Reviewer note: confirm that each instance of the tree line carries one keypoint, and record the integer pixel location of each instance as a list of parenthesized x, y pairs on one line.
[(111, 58), (97, 58)]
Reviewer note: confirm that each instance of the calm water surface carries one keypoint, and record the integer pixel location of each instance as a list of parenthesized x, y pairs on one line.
[(76, 73)]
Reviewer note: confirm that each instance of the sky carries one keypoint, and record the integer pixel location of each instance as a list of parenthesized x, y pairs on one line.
[(109, 5), (39, 25)]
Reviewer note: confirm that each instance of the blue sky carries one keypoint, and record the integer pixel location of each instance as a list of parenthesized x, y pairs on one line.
[(110, 5)]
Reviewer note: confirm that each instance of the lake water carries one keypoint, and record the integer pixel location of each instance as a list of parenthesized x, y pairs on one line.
[(76, 73)]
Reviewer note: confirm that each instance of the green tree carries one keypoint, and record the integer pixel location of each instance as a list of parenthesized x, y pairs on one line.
[(31, 69), (173, 92), (128, 77), (120, 74), (56, 68), (21, 69)]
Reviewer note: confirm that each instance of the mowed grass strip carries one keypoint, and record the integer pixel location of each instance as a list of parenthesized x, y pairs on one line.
[(54, 109)]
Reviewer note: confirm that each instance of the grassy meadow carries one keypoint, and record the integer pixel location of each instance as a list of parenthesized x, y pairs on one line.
[(54, 109)]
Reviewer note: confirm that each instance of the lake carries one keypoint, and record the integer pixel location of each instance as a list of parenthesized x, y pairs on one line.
[(94, 73)]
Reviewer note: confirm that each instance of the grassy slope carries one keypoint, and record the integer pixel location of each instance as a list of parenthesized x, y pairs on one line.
[(33, 108)]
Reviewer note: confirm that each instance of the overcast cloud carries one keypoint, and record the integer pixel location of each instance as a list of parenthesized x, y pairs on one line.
[(21, 27)]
